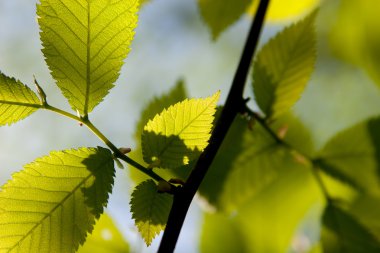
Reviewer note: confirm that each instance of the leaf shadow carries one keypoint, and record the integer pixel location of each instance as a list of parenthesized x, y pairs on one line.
[(168, 151), (99, 185)]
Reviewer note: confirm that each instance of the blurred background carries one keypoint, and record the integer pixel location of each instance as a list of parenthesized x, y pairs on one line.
[(172, 42)]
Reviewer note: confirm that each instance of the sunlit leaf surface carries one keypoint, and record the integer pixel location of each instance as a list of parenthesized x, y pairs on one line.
[(84, 44), (17, 101), (180, 133), (283, 67), (52, 204)]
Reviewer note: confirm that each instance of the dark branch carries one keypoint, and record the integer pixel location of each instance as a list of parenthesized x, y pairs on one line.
[(234, 105)]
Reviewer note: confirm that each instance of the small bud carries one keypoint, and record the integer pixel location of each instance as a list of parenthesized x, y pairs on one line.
[(299, 158), (40, 92), (125, 150), (177, 181), (282, 131), (163, 186)]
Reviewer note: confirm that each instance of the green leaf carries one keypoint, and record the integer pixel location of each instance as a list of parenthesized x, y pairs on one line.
[(150, 210), (155, 106), (221, 234), (351, 155), (85, 43), (106, 237), (180, 133), (52, 204), (283, 67), (219, 15), (17, 101), (342, 233)]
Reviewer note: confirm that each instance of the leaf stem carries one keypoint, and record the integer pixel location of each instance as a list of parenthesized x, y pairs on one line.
[(118, 154), (234, 104), (322, 186), (311, 161)]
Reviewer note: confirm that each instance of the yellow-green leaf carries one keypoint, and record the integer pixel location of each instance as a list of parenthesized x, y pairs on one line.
[(52, 204), (106, 238), (176, 94), (150, 210), (85, 43), (180, 133), (283, 67), (219, 15), (17, 101)]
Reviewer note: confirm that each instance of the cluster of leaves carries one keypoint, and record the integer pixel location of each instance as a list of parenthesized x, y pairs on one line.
[(266, 171), (53, 203), (271, 175)]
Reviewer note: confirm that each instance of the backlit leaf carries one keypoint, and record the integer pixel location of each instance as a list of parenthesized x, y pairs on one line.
[(342, 233), (283, 67), (155, 106), (150, 210), (52, 204), (219, 15), (353, 154), (106, 237), (17, 101), (180, 133), (85, 43)]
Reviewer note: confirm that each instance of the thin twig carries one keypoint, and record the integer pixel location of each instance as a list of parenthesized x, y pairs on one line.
[(311, 161), (103, 138)]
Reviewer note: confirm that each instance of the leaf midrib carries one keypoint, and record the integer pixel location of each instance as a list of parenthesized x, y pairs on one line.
[(88, 56), (51, 212), (20, 104)]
